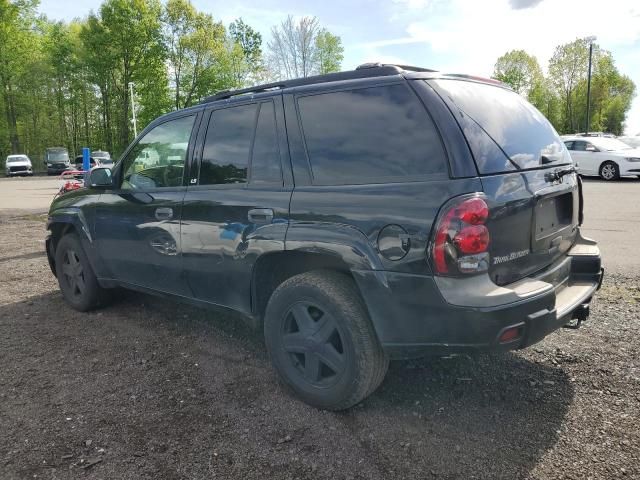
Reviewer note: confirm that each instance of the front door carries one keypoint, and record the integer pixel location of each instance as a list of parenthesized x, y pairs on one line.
[(138, 223), (239, 207), (586, 156)]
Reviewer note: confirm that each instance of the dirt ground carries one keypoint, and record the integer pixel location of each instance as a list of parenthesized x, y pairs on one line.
[(147, 389)]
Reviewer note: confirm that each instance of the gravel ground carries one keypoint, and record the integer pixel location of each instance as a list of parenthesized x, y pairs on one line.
[(146, 389)]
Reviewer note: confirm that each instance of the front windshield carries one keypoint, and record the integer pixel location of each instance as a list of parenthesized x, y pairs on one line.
[(58, 156), (16, 159), (609, 144)]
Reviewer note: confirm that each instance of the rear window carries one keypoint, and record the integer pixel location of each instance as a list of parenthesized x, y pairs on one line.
[(524, 137), (368, 135)]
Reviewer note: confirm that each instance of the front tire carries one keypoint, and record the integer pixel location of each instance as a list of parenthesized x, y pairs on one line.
[(78, 283), (609, 171), (321, 341)]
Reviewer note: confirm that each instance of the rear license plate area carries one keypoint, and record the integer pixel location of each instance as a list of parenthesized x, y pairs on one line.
[(553, 214)]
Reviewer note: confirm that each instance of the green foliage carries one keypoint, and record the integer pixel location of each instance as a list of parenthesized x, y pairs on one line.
[(67, 84), (519, 70), (329, 52), (250, 41), (562, 95)]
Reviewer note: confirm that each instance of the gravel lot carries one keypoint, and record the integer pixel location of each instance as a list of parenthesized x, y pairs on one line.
[(146, 389)]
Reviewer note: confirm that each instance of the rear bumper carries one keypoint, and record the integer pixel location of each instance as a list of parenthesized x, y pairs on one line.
[(416, 315)]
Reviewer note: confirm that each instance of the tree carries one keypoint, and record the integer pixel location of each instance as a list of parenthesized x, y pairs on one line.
[(131, 33), (519, 70), (567, 67), (329, 52), (201, 58), (250, 42), (16, 18), (301, 49), (562, 96)]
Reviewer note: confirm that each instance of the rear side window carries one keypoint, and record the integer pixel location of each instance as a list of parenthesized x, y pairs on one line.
[(225, 158), (368, 135), (491, 114)]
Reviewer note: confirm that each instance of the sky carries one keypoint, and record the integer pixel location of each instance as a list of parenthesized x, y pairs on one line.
[(456, 36)]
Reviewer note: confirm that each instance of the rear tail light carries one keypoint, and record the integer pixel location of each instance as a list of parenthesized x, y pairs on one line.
[(461, 241)]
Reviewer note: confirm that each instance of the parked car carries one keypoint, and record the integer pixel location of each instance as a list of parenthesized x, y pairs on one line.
[(57, 160), (93, 162), (385, 212), (596, 134), (18, 165), (631, 141), (103, 157), (608, 158)]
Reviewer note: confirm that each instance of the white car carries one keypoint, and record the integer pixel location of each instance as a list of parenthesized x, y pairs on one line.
[(104, 158), (608, 158), (18, 165)]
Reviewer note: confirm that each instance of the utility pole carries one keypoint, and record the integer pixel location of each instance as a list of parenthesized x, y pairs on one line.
[(133, 106), (586, 130)]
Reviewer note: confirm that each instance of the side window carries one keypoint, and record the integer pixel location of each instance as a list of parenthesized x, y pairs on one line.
[(569, 145), (265, 157), (579, 146), (158, 159), (369, 134), (225, 158)]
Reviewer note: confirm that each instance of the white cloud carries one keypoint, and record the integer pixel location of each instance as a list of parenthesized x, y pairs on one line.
[(468, 36), (475, 33), (413, 4)]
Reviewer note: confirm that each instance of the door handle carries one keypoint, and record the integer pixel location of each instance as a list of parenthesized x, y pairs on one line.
[(164, 213), (260, 215)]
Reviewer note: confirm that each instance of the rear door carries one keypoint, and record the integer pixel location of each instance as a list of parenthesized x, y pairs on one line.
[(534, 215), (237, 204)]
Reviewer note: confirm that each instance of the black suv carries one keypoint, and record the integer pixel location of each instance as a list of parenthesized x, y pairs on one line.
[(385, 212)]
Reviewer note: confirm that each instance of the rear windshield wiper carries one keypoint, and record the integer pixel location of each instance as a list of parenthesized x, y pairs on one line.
[(559, 173)]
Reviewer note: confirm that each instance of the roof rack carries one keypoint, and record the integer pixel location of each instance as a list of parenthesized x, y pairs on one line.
[(402, 67), (362, 71)]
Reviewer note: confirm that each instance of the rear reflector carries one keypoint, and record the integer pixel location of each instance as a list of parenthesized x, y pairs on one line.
[(510, 334)]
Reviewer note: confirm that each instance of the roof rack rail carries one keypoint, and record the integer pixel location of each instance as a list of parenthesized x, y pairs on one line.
[(362, 71), (231, 93), (401, 67)]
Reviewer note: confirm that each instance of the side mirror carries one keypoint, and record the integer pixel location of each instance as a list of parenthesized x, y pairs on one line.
[(100, 177), (591, 148)]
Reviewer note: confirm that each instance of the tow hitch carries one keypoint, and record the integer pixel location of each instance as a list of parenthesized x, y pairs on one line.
[(580, 315)]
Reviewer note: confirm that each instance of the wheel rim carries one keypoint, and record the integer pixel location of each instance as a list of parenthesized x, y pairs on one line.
[(73, 273), (608, 172), (313, 345)]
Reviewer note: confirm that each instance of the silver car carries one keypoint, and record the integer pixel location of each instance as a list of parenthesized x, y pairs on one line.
[(18, 165), (103, 157)]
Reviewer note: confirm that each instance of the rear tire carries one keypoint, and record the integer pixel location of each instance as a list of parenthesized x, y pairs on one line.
[(78, 283), (609, 171), (321, 341)]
